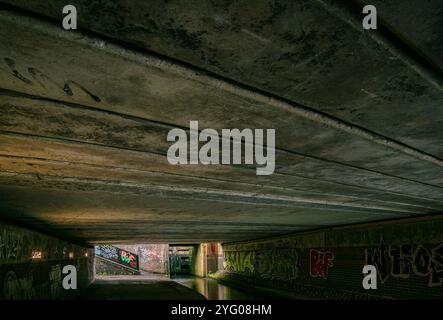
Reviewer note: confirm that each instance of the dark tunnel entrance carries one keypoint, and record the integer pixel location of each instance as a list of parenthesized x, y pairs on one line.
[(180, 258), (183, 266)]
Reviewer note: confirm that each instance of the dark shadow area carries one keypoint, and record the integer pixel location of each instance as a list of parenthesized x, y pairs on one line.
[(138, 288), (213, 290)]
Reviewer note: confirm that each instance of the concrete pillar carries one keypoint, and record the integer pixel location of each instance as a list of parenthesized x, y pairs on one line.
[(214, 258), (199, 264)]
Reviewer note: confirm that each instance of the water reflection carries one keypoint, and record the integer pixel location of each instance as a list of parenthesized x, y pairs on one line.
[(213, 290)]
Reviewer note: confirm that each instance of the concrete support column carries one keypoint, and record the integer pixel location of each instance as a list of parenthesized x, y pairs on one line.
[(199, 267)]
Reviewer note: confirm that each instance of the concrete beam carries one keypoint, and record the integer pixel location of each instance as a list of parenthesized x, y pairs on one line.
[(83, 132)]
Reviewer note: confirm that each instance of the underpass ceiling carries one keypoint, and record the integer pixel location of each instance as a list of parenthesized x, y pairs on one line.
[(358, 123)]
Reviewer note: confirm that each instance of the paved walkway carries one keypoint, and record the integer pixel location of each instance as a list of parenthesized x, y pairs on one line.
[(139, 287)]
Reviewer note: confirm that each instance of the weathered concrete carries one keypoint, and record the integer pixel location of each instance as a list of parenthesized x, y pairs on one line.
[(153, 258), (199, 262), (138, 288), (214, 258), (103, 267), (84, 121), (408, 255), (31, 265), (424, 35)]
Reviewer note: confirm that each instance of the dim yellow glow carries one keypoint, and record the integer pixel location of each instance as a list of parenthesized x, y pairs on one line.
[(36, 254)]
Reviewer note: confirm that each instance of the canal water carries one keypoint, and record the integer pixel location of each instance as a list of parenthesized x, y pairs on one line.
[(213, 290)]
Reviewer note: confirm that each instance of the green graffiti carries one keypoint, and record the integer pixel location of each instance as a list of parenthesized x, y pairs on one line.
[(125, 259), (281, 264), (274, 264), (240, 261)]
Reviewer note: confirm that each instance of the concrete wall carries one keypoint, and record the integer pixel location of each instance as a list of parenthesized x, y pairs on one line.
[(31, 265), (199, 261), (106, 268), (214, 257), (328, 264), (152, 257), (206, 259)]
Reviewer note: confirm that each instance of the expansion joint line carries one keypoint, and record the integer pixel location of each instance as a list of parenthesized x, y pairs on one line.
[(146, 59)]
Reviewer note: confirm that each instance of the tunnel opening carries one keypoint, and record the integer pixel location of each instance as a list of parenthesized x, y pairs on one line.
[(194, 266), (180, 258), (170, 260), (346, 202)]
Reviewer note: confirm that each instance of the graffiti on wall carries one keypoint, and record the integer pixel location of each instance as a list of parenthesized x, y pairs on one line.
[(107, 251), (240, 261), (55, 278), (153, 257), (30, 265), (16, 288), (151, 253), (10, 245), (128, 258), (320, 262), (403, 260), (117, 255), (274, 264), (280, 264), (18, 246)]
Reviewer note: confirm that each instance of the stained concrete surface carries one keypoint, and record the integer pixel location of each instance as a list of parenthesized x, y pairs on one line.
[(85, 116), (147, 287)]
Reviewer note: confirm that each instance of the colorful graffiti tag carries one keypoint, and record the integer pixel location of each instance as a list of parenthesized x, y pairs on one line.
[(107, 251), (320, 261), (117, 255), (402, 261), (128, 258)]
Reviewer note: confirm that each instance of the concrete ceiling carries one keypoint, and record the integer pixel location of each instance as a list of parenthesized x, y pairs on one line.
[(85, 114)]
